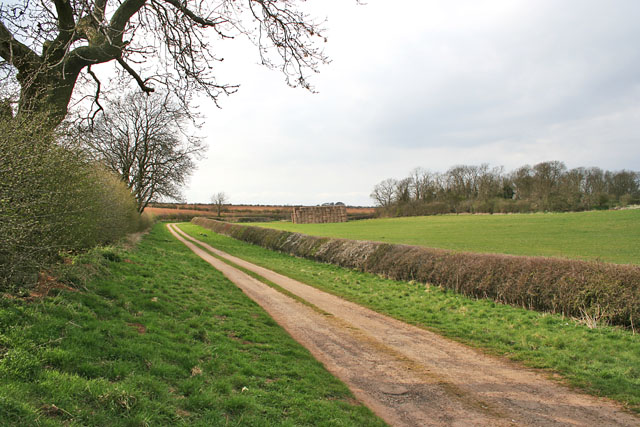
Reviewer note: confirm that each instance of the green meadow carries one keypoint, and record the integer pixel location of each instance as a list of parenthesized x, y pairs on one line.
[(156, 336), (611, 236)]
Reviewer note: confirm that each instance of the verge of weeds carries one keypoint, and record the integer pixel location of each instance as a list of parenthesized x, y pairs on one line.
[(602, 361), (158, 337)]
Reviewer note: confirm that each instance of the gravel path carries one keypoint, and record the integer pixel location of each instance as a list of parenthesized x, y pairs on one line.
[(407, 375)]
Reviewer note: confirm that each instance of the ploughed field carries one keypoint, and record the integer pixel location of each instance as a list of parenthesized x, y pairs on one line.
[(238, 213), (611, 236)]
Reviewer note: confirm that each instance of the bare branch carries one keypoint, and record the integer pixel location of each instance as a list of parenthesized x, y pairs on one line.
[(99, 10), (195, 18), (66, 22), (96, 98), (167, 41), (66, 30), (142, 83), (123, 15), (16, 53)]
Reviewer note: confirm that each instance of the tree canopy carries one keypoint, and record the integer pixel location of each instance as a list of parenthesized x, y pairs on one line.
[(47, 45), (146, 142)]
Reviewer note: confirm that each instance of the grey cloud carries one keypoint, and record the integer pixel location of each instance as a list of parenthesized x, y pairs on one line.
[(501, 81)]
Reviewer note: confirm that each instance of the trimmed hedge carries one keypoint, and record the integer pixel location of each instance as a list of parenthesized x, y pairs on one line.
[(610, 292)]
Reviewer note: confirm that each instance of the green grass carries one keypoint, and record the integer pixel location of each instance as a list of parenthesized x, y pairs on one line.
[(159, 337), (603, 361), (612, 236)]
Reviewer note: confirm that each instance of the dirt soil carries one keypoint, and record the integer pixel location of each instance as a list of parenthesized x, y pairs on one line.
[(409, 376)]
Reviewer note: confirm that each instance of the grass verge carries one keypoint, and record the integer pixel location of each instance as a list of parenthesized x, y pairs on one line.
[(604, 361), (612, 236), (158, 337)]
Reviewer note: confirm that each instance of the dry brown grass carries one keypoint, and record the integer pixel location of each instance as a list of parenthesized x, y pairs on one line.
[(185, 212), (199, 207), (165, 212)]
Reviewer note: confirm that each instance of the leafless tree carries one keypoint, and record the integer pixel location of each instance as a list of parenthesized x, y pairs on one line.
[(418, 176), (219, 199), (47, 45), (384, 192), (623, 182), (145, 140)]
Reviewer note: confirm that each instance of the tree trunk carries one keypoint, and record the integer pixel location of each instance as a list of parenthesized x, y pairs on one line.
[(46, 95)]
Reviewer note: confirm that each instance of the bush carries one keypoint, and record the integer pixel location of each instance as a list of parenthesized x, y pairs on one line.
[(53, 201), (570, 287)]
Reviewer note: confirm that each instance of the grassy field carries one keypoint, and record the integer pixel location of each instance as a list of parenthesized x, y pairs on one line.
[(604, 361), (612, 236), (158, 337)]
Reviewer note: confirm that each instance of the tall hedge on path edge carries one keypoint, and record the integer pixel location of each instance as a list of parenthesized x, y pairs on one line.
[(53, 202), (610, 292)]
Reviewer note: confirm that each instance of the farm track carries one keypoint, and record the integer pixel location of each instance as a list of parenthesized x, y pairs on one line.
[(407, 375)]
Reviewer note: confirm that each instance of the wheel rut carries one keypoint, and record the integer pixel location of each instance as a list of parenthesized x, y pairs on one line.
[(407, 375)]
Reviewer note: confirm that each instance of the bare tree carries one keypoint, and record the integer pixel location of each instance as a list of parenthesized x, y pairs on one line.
[(219, 199), (47, 45), (417, 177), (145, 141), (403, 190), (384, 192), (623, 182), (547, 186)]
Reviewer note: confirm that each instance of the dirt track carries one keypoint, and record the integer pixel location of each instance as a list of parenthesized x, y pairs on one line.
[(407, 375)]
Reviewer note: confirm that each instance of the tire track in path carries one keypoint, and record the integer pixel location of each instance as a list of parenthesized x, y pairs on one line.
[(407, 375)]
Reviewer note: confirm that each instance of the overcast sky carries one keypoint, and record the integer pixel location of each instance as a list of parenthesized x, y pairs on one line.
[(432, 84)]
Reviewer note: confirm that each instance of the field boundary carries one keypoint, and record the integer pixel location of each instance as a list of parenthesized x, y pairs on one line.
[(379, 356), (596, 291)]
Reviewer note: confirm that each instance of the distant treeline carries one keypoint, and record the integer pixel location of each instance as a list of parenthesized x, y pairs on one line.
[(547, 186)]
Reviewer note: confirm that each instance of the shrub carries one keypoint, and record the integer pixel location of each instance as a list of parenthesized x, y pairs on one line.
[(52, 201), (571, 287), (435, 208)]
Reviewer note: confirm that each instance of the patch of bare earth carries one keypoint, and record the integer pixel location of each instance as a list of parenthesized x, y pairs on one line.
[(407, 375), (45, 285)]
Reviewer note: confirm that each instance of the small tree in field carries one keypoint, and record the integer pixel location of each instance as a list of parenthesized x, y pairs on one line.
[(144, 141), (219, 199)]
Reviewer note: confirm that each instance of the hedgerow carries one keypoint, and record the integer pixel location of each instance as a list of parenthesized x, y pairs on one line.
[(53, 201), (609, 292)]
